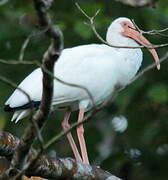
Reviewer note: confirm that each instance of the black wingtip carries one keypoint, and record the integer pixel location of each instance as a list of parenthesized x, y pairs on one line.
[(33, 104), (7, 108)]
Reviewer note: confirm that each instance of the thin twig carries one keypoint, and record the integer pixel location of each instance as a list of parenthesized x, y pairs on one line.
[(149, 67), (85, 119), (92, 26), (38, 133), (50, 57), (27, 40), (12, 84), (98, 108), (57, 137), (47, 167), (14, 62), (90, 96), (152, 32), (31, 162), (24, 46)]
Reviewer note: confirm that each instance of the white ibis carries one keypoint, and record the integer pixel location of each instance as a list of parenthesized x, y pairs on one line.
[(97, 67)]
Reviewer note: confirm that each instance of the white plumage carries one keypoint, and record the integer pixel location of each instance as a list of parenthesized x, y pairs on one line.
[(97, 67)]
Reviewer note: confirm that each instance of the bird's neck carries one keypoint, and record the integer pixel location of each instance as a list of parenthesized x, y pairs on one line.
[(130, 64), (132, 56)]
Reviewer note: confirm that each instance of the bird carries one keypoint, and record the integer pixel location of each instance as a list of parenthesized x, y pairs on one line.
[(97, 67)]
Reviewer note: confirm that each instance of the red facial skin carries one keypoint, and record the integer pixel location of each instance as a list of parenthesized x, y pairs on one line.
[(131, 32)]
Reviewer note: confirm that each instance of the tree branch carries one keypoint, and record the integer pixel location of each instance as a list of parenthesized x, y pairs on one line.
[(21, 154), (151, 32), (23, 62), (51, 55), (148, 68), (92, 26), (135, 3), (12, 84), (48, 167)]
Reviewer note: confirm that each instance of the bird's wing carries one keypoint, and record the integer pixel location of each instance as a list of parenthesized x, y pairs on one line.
[(32, 85), (89, 66), (79, 65)]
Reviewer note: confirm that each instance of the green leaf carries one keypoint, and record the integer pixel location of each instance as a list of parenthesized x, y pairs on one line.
[(158, 93)]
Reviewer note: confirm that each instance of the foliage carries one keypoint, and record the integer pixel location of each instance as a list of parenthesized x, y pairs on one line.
[(141, 151)]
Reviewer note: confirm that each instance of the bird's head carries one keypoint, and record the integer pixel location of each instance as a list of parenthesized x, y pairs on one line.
[(122, 32)]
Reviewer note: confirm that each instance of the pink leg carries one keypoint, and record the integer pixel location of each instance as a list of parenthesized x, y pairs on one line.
[(65, 126), (80, 132)]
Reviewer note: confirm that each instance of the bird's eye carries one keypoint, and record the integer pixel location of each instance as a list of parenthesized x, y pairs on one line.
[(124, 24)]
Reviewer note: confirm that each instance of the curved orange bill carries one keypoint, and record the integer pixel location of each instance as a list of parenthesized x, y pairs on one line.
[(137, 36)]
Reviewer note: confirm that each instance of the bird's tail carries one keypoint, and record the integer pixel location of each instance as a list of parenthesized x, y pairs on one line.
[(20, 115)]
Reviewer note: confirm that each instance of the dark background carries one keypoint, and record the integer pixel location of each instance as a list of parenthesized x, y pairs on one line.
[(128, 138)]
